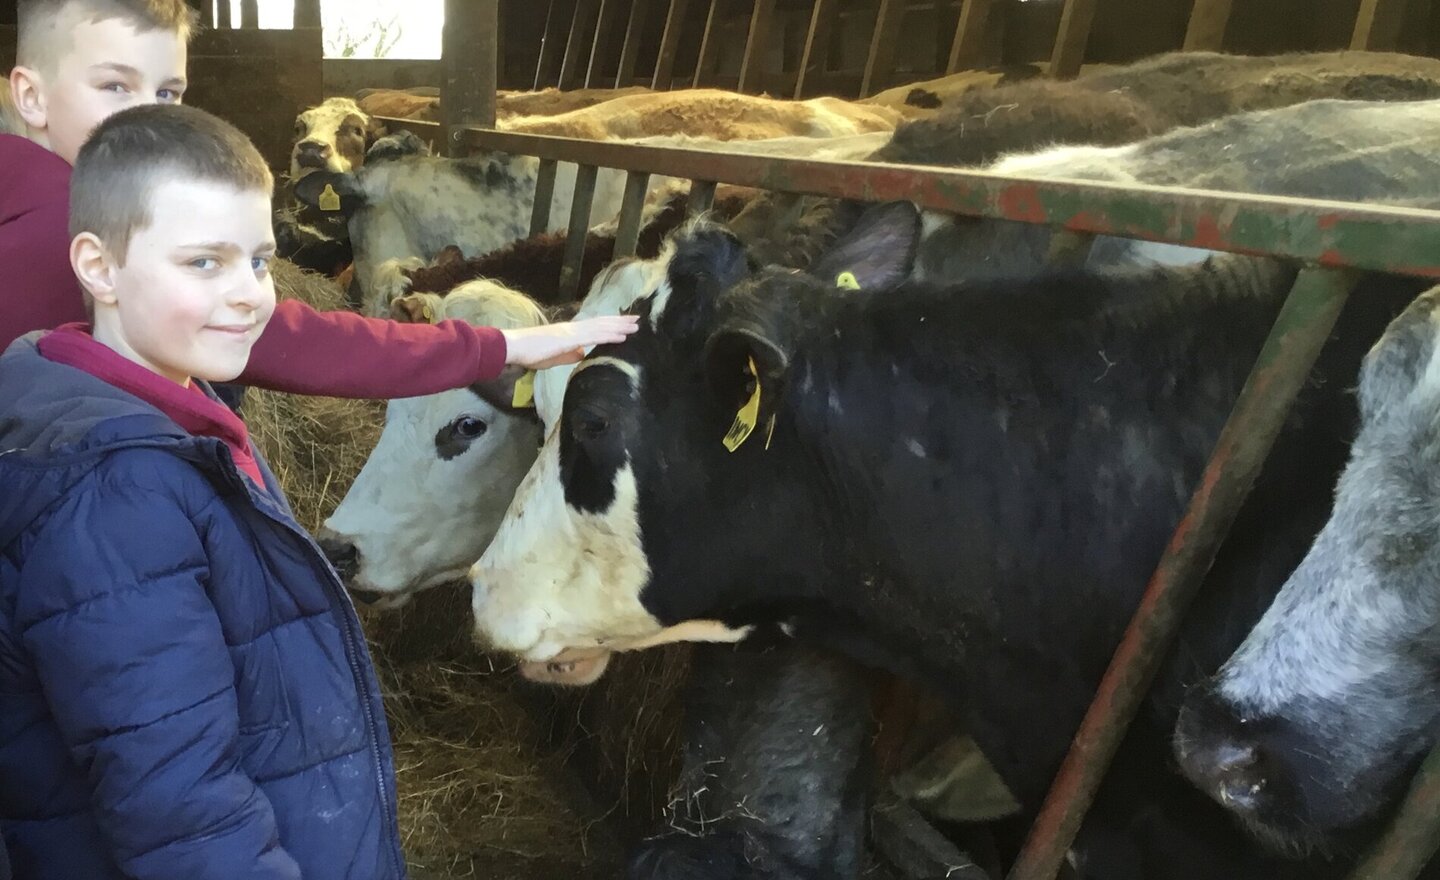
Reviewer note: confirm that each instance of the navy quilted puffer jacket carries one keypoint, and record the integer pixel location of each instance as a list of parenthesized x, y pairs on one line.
[(184, 688)]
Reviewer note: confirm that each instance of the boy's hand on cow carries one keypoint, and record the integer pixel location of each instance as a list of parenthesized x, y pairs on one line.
[(554, 344)]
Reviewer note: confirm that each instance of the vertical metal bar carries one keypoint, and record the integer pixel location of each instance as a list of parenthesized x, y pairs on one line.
[(1070, 41), (1300, 331), (709, 46), (579, 226), (1413, 836), (632, 207), (968, 48), (250, 14), (604, 24), (817, 43), (880, 64), (544, 194), (755, 43), (669, 45), (307, 14), (549, 44), (1377, 26), (1206, 30), (634, 30), (702, 196), (223, 17), (575, 44), (470, 43)]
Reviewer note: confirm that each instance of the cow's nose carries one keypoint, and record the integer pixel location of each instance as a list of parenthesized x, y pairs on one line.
[(320, 147), (342, 554), (1219, 753)]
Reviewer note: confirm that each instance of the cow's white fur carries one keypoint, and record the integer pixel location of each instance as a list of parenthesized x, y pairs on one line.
[(418, 520)]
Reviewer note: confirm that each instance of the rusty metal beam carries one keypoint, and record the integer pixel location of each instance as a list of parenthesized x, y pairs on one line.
[(1206, 29), (969, 45), (580, 27), (604, 25), (709, 46), (817, 43), (1414, 835), (632, 207), (630, 51), (544, 194), (585, 178), (755, 44), (669, 45), (1377, 26), (880, 62), (1300, 331), (470, 45), (1070, 41)]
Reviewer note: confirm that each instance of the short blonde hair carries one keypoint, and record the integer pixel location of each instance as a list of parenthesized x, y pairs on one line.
[(41, 23), (136, 150)]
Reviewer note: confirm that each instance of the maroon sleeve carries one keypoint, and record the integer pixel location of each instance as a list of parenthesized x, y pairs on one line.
[(342, 354), (38, 290)]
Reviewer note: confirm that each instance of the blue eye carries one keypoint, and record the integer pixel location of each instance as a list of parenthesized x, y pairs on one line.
[(169, 96), (205, 264), (261, 265), (116, 87)]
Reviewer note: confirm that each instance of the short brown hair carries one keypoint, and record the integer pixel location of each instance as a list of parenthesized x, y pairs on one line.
[(134, 151), (41, 22)]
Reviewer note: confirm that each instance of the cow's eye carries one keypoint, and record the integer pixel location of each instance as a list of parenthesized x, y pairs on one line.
[(467, 428), (590, 425), (299, 127)]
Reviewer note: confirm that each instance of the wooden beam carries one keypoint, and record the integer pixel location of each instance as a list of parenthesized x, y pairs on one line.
[(470, 44), (580, 27), (584, 197), (632, 209), (206, 8), (752, 65), (307, 14), (709, 46), (669, 45), (880, 64), (1206, 30), (634, 30), (1070, 42), (250, 14), (604, 25), (544, 194), (817, 43), (969, 45), (223, 19), (1377, 27), (700, 197)]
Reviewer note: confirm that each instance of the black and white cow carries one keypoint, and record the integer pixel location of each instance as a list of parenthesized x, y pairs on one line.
[(1311, 729), (967, 485)]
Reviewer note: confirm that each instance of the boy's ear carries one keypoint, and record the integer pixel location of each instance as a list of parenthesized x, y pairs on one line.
[(27, 93), (93, 267)]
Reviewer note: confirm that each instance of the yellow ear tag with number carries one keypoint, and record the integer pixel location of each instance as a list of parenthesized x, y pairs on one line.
[(329, 199), (748, 415), (847, 281), (524, 391)]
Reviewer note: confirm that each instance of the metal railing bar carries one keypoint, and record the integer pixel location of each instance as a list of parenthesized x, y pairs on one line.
[(585, 177), (544, 194), (632, 207)]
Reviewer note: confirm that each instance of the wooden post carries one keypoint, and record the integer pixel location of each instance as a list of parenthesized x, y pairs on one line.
[(307, 14), (700, 198), (470, 45), (709, 46), (575, 44), (604, 25), (544, 194), (817, 43), (575, 236), (1377, 27), (969, 45), (669, 45), (223, 18), (880, 65), (751, 67), (1206, 31), (1070, 42), (250, 14), (632, 209), (634, 29)]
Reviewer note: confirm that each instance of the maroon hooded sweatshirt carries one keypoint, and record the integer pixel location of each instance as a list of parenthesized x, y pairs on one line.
[(302, 351)]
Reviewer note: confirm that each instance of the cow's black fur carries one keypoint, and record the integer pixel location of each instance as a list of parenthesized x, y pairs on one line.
[(1061, 424)]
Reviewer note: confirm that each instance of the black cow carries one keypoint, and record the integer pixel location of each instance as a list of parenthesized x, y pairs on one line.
[(969, 485)]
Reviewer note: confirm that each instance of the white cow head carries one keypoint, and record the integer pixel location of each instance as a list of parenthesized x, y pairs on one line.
[(332, 137), (433, 491)]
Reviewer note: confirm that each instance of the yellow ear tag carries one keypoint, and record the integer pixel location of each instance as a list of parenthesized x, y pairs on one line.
[(524, 391), (329, 199), (847, 281), (748, 415)]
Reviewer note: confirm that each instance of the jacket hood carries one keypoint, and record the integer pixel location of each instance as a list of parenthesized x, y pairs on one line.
[(57, 422)]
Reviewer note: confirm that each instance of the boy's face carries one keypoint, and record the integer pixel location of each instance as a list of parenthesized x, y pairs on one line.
[(195, 290), (104, 67)]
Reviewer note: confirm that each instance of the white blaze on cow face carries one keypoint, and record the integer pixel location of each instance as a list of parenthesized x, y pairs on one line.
[(330, 137)]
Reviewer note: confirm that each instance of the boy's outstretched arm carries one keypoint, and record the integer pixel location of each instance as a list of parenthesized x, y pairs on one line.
[(130, 655)]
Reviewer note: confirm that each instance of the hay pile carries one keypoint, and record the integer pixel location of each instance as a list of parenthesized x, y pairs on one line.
[(489, 768)]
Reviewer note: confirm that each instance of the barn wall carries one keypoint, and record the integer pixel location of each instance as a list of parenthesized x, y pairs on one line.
[(346, 76)]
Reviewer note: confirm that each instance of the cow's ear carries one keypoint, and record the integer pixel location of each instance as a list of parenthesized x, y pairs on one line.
[(417, 308), (879, 252), (747, 362), (708, 260), (330, 192), (512, 393)]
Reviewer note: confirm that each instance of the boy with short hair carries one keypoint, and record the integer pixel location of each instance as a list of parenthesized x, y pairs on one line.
[(78, 61), (184, 688)]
